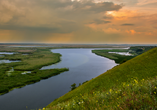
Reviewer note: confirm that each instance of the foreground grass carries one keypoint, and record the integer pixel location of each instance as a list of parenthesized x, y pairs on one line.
[(113, 56), (141, 67), (134, 95)]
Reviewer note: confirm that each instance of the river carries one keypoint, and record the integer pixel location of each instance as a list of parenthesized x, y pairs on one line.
[(83, 65)]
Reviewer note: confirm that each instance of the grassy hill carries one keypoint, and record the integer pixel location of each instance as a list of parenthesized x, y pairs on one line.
[(131, 85)]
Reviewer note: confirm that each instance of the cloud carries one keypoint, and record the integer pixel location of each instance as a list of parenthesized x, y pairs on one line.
[(51, 13), (83, 5), (37, 19), (23, 28), (112, 30), (127, 24), (77, 20), (98, 21), (59, 38), (108, 17), (146, 2), (131, 32)]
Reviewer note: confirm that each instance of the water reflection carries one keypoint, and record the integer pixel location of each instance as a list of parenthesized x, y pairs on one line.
[(122, 53)]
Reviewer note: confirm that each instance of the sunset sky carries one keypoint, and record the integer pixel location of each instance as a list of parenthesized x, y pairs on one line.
[(79, 21)]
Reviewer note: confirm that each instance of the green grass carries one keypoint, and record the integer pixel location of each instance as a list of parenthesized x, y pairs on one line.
[(103, 88), (134, 95), (113, 56), (36, 58)]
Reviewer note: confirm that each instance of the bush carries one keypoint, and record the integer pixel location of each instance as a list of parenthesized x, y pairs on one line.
[(73, 86)]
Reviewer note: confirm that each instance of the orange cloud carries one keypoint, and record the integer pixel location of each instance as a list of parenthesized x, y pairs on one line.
[(112, 30), (132, 32), (144, 2), (149, 33), (123, 14), (93, 26)]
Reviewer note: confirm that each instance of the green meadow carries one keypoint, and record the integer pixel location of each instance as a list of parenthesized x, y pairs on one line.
[(131, 85), (34, 60)]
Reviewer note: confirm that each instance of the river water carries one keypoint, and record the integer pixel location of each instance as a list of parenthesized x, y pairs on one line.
[(8, 61), (7, 53), (83, 65)]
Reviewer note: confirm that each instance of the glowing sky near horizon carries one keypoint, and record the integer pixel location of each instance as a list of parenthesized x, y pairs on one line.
[(79, 21)]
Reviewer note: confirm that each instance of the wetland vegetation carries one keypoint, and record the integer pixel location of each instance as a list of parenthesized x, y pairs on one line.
[(113, 56), (134, 50), (33, 61)]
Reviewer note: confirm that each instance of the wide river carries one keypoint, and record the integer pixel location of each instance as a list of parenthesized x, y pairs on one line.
[(83, 65)]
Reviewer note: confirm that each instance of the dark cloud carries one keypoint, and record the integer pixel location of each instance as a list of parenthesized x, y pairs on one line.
[(98, 21), (60, 16), (108, 17), (131, 2), (127, 24), (62, 28), (83, 5), (100, 7), (36, 19)]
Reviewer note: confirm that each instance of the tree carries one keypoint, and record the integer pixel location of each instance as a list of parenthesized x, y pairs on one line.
[(73, 86)]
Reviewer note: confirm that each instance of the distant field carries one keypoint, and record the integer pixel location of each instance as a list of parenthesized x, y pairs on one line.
[(64, 45), (113, 56), (136, 50)]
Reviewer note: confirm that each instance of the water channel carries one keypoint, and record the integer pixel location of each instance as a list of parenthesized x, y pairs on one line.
[(8, 61), (7, 53), (83, 65)]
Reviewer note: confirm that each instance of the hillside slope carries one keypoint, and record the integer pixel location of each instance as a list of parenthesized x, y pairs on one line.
[(137, 72)]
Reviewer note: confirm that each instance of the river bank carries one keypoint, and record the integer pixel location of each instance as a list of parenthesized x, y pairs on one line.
[(112, 54)]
